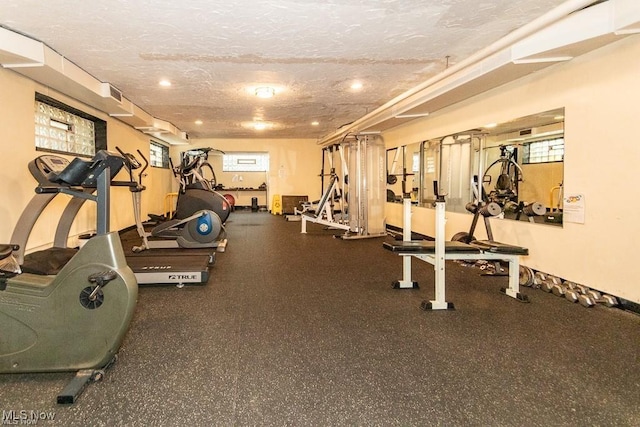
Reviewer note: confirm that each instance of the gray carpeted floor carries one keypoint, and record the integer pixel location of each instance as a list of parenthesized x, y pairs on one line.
[(305, 330)]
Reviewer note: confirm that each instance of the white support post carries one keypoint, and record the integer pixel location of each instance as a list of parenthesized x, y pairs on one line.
[(406, 282), (514, 278), (439, 303)]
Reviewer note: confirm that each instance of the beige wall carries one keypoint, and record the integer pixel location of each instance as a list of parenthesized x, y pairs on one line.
[(294, 165), (600, 93), (17, 148)]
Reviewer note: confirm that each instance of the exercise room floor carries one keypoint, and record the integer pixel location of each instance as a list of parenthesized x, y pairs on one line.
[(306, 330)]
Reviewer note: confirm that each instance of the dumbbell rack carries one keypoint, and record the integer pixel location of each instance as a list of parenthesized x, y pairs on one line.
[(571, 291)]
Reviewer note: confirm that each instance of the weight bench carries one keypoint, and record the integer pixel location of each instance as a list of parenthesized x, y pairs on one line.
[(438, 251), (324, 212)]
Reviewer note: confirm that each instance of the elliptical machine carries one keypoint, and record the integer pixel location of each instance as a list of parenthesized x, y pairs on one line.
[(72, 316), (201, 229), (198, 191)]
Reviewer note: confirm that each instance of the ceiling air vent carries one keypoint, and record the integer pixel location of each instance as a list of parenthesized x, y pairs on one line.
[(525, 132), (115, 93)]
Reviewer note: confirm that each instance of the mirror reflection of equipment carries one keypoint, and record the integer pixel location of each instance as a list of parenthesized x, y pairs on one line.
[(535, 186)]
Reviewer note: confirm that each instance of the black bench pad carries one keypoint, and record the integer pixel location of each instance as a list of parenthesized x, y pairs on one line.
[(499, 248), (428, 247)]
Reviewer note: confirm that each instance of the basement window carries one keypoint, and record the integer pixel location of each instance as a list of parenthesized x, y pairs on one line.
[(60, 128), (158, 155), (245, 162), (545, 151)]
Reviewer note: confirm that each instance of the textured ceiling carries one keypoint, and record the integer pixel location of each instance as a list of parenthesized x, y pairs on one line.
[(310, 51)]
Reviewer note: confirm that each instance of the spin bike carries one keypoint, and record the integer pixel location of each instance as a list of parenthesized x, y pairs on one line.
[(200, 229), (70, 315)]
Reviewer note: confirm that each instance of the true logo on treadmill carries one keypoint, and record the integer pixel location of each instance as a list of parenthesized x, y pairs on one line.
[(183, 276)]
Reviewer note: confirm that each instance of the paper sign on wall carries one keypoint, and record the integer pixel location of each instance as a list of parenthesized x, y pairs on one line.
[(573, 209)]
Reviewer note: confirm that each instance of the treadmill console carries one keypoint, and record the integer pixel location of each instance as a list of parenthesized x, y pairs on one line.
[(51, 169), (46, 168), (54, 164)]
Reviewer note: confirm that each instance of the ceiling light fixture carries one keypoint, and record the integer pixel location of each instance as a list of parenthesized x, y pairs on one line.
[(490, 125), (265, 92), (198, 122), (315, 123), (356, 85), (164, 83), (259, 126)]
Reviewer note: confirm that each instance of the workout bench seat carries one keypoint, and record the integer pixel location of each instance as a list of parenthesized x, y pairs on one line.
[(425, 250)]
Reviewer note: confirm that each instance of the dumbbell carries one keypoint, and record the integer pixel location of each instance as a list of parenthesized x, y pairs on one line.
[(592, 297), (574, 290), (549, 282), (538, 278), (561, 289), (526, 276)]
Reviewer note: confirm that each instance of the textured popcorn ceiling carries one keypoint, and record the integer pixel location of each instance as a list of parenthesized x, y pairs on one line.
[(311, 51)]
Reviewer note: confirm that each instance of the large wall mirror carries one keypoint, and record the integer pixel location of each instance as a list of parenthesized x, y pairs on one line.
[(403, 173), (518, 165), (524, 167)]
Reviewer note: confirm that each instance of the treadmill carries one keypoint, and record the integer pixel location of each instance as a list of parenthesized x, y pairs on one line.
[(167, 266)]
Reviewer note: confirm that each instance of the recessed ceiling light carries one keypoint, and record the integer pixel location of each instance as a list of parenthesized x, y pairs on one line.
[(265, 92), (198, 122), (165, 83), (259, 126), (490, 125), (315, 123), (558, 118), (356, 85)]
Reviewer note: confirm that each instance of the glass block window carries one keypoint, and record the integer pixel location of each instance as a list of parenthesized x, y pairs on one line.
[(245, 162), (548, 150), (63, 129), (158, 155)]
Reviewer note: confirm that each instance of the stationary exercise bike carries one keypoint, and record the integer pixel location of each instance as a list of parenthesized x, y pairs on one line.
[(201, 229), (71, 312)]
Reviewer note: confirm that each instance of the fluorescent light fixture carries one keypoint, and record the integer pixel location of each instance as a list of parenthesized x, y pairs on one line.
[(164, 83), (265, 92), (259, 126), (198, 122), (356, 85), (543, 60), (315, 123), (411, 116), (490, 125)]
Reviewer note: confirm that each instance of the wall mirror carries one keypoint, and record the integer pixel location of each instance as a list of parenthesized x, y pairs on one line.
[(403, 172), (517, 164)]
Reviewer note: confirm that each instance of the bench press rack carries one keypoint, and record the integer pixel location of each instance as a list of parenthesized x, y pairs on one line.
[(438, 252)]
